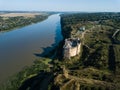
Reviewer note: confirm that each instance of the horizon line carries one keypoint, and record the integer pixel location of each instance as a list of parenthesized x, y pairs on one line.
[(51, 11)]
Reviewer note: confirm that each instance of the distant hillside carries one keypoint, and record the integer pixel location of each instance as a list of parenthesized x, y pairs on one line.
[(10, 21)]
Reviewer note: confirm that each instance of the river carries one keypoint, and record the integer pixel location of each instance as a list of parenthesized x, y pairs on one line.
[(20, 47)]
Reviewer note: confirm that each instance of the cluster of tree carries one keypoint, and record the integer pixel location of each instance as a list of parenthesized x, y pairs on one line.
[(68, 20), (14, 22), (79, 17)]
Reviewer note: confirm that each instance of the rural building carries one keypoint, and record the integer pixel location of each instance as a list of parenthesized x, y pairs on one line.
[(71, 47), (82, 28)]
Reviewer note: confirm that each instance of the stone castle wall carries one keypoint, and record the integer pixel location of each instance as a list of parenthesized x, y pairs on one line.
[(75, 50), (72, 51)]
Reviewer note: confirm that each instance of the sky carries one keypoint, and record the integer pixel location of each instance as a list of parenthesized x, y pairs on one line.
[(61, 5)]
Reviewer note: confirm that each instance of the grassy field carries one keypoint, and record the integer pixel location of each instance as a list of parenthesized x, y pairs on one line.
[(21, 14)]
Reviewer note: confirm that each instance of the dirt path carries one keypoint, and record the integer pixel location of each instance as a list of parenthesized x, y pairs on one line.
[(90, 81), (83, 36), (116, 32)]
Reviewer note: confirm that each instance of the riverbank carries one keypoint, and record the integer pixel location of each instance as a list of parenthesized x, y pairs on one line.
[(25, 45), (93, 68), (16, 20), (42, 68)]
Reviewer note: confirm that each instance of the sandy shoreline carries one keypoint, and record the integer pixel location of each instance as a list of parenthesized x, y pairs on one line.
[(20, 14)]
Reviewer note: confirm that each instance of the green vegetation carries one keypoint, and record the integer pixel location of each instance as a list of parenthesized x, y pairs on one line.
[(7, 23), (28, 72), (97, 67)]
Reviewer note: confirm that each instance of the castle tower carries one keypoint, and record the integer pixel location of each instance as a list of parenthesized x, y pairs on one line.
[(67, 48), (71, 47), (78, 46)]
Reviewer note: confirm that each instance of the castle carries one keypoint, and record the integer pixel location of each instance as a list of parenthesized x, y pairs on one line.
[(71, 47)]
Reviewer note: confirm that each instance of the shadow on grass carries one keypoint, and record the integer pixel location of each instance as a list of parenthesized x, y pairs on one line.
[(39, 82), (111, 61)]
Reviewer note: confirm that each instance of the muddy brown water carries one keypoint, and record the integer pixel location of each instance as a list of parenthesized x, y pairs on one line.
[(19, 47)]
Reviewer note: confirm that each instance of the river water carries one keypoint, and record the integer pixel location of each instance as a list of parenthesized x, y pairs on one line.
[(20, 47)]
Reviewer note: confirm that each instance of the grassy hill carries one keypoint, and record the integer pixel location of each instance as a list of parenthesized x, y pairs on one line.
[(97, 67)]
